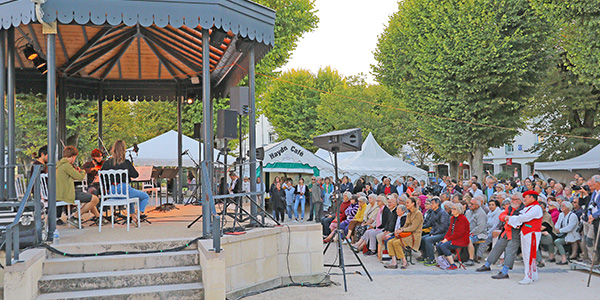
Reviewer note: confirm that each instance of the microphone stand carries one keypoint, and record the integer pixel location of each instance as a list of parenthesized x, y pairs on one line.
[(194, 199)]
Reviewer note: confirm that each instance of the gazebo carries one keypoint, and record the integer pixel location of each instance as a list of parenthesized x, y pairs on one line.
[(115, 50)]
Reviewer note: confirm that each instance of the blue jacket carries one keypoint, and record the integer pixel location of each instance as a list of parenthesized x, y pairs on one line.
[(290, 195), (439, 221)]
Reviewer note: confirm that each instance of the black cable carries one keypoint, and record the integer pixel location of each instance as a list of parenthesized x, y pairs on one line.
[(107, 253)]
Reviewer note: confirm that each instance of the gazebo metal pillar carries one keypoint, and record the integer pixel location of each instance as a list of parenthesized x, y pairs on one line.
[(252, 131), (208, 134), (179, 196), (51, 103), (62, 113), (2, 116), (10, 98), (100, 138)]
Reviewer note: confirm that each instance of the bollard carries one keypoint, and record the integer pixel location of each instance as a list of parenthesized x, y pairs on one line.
[(216, 234)]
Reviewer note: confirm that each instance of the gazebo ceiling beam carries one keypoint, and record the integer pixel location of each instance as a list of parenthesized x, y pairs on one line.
[(191, 52), (62, 43), (115, 59), (190, 39), (97, 54), (90, 43), (198, 33), (85, 37), (166, 41), (108, 43), (161, 59), (176, 54)]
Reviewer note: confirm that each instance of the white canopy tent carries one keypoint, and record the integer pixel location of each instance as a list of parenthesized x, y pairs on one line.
[(161, 151), (587, 164), (373, 161), (328, 156), (289, 157)]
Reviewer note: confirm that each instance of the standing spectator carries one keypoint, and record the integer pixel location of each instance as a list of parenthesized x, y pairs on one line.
[(316, 199), (346, 185), (290, 196), (272, 188), (327, 192), (489, 191), (278, 202), (376, 184), (246, 185), (301, 190), (368, 189), (591, 218), (360, 186), (386, 188)]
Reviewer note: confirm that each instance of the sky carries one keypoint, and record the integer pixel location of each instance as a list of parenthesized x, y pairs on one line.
[(345, 37)]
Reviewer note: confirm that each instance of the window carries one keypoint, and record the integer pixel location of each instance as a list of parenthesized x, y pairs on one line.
[(509, 149), (272, 137)]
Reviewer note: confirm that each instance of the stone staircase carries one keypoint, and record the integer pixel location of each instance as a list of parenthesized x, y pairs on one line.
[(167, 275)]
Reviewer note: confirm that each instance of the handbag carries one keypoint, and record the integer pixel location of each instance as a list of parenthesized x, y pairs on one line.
[(403, 234)]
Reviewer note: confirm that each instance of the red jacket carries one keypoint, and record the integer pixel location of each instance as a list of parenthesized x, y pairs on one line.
[(459, 235)]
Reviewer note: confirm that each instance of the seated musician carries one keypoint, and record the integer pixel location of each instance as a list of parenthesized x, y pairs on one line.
[(118, 162), (91, 168), (65, 188)]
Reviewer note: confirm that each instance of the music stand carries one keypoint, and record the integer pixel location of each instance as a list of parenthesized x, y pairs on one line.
[(167, 173)]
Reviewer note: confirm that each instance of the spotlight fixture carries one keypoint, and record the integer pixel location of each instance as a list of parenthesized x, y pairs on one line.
[(43, 69), (39, 62), (190, 99), (29, 52), (217, 37)]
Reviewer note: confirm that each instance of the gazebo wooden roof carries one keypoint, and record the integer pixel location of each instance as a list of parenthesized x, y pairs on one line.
[(139, 49)]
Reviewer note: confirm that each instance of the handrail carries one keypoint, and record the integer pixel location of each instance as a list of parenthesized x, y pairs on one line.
[(12, 229)]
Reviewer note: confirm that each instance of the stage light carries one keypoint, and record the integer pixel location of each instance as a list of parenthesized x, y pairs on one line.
[(217, 37), (190, 100), (39, 62), (43, 69), (29, 52)]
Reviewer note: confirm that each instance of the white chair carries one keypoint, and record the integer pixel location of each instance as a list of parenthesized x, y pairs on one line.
[(44, 194), (20, 186), (150, 187), (112, 196), (83, 184)]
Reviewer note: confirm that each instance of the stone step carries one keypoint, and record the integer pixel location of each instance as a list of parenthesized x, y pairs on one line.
[(142, 245), (66, 265), (172, 291), (119, 279)]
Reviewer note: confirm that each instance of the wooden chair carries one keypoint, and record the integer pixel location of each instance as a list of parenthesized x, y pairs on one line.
[(114, 191), (44, 194)]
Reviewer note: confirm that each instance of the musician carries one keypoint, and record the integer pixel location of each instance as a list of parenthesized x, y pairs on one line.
[(118, 162), (91, 168)]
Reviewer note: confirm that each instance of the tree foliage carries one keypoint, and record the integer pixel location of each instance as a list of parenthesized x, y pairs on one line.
[(563, 108), (357, 104), (291, 103), (471, 60)]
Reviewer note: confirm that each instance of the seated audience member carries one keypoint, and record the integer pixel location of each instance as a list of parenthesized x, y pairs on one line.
[(358, 218), (509, 241), (447, 206), (389, 228), (477, 222), (457, 235), (492, 222), (370, 237), (386, 188), (118, 162), (553, 207), (548, 236), (409, 236), (566, 231), (349, 214), (370, 214), (66, 173), (333, 225), (438, 223)]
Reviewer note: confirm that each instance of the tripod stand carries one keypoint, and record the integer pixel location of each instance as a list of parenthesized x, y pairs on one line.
[(194, 198), (342, 264)]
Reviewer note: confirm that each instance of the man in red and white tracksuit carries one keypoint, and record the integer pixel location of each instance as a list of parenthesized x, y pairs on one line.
[(530, 220)]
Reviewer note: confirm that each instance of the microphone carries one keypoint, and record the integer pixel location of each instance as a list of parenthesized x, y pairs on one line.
[(135, 148), (185, 152)]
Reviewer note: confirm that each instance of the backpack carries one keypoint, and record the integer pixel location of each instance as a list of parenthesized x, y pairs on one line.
[(442, 262)]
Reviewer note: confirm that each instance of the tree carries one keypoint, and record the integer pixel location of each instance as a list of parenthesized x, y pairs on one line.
[(291, 103), (341, 110), (473, 61), (563, 108), (578, 22)]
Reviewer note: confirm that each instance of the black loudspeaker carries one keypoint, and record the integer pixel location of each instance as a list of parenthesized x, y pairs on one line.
[(198, 132), (260, 153), (340, 140), (227, 124), (239, 100)]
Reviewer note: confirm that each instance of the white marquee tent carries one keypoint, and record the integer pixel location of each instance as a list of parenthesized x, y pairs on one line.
[(373, 161), (161, 151), (587, 164)]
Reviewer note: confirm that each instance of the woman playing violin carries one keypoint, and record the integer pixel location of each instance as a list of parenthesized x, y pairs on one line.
[(91, 168)]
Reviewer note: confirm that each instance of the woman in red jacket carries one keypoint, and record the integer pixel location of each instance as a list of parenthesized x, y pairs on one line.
[(457, 235)]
